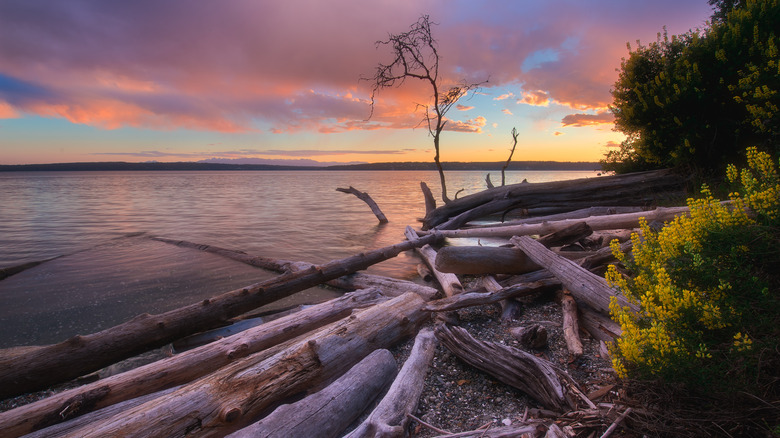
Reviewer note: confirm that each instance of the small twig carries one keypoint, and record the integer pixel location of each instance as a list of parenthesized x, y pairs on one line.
[(429, 426), (525, 414), (615, 424)]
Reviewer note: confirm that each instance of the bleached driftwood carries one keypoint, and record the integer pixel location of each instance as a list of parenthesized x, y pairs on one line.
[(566, 235), (628, 220), (478, 298), (448, 282), (510, 308), (576, 214), (390, 417), (328, 412), (233, 396), (365, 197), (181, 368), (585, 286), (538, 378), (634, 189), (83, 354), (571, 325)]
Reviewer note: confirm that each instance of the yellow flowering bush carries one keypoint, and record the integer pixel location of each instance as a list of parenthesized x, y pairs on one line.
[(706, 286)]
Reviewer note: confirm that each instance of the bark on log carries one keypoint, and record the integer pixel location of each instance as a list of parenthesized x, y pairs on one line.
[(538, 378), (571, 325), (585, 286), (83, 354), (390, 417), (479, 260), (328, 412), (181, 368), (564, 236), (628, 220), (448, 282), (478, 298), (233, 397), (634, 189), (365, 197)]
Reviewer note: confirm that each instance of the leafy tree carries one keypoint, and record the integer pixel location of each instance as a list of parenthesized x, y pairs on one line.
[(417, 57), (700, 98)]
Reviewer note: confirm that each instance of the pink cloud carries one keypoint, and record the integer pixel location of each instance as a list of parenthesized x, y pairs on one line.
[(506, 111), (504, 96), (580, 120), (535, 98), (463, 107)]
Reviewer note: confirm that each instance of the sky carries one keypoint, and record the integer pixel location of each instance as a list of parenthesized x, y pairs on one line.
[(189, 80)]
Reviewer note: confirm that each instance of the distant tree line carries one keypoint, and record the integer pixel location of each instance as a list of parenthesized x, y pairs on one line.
[(698, 100)]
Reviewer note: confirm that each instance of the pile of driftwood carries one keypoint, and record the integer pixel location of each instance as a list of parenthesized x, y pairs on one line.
[(315, 371)]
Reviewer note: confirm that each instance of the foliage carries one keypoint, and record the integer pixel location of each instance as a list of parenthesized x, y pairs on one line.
[(707, 289), (700, 98)]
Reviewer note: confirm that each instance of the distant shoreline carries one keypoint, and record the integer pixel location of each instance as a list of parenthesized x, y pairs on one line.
[(189, 166)]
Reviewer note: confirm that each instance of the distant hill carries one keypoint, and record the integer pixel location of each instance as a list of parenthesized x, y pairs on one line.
[(120, 165)]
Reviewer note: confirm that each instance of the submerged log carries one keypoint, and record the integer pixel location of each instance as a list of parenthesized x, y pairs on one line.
[(328, 412), (391, 416), (83, 354), (181, 368), (365, 197), (635, 189), (234, 396), (538, 378)]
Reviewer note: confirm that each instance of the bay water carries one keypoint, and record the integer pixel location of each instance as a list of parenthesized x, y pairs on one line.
[(94, 229)]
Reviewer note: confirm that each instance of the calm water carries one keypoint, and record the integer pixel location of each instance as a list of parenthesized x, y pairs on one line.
[(110, 271)]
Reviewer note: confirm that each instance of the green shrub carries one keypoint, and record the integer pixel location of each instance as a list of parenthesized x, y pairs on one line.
[(706, 286)]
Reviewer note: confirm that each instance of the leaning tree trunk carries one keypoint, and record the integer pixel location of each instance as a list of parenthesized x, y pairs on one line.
[(83, 354)]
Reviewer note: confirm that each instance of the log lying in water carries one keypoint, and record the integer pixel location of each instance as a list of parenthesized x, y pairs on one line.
[(234, 396), (391, 416), (83, 354), (635, 189), (365, 197), (328, 412), (181, 368)]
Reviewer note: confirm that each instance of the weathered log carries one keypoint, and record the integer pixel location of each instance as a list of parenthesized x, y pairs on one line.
[(538, 378), (628, 220), (328, 412), (389, 286), (571, 325), (585, 286), (391, 416), (430, 201), (510, 308), (532, 336), (564, 236), (576, 214), (478, 298), (448, 282), (634, 189), (232, 397), (365, 197), (479, 260), (424, 272), (181, 368), (598, 325), (83, 354)]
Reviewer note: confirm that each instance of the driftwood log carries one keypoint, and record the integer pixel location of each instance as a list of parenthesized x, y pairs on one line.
[(571, 324), (325, 414), (627, 220), (449, 282), (538, 378), (564, 236), (391, 416), (181, 368), (83, 354), (510, 307), (365, 197), (635, 189), (585, 286), (233, 397), (479, 260), (582, 213), (478, 298)]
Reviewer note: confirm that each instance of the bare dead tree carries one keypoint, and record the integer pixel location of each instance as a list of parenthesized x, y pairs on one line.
[(512, 152), (417, 57)]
